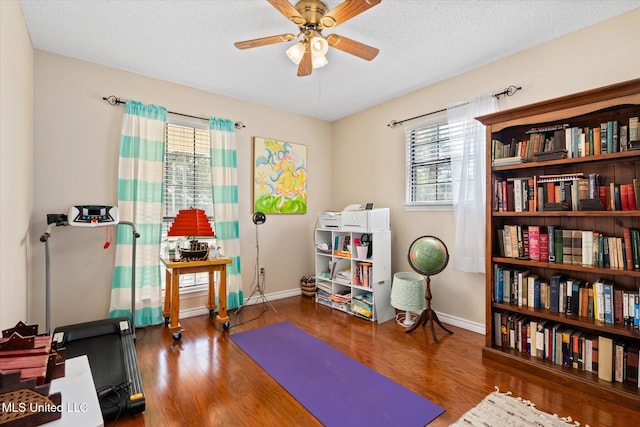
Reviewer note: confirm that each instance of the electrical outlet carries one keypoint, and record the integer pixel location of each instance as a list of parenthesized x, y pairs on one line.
[(262, 270)]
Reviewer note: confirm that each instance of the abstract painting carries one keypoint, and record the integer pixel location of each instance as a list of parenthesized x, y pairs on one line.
[(279, 176)]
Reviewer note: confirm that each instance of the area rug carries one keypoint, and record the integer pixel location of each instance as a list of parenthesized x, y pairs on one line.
[(336, 389), (500, 409)]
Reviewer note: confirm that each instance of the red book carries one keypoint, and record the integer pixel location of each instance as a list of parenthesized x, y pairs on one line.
[(632, 197), (628, 254), (603, 197), (510, 200), (617, 306), (551, 192), (624, 197), (534, 242), (544, 247)]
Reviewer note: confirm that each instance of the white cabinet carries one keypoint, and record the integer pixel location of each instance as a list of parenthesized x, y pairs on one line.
[(353, 269)]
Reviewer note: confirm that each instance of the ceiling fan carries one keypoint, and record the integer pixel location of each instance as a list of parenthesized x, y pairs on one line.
[(311, 17)]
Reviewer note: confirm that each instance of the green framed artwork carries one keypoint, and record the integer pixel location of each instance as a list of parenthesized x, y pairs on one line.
[(279, 176)]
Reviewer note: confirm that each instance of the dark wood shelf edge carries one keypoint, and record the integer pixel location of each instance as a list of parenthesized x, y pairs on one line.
[(584, 323), (570, 161), (629, 213), (567, 267), (622, 394)]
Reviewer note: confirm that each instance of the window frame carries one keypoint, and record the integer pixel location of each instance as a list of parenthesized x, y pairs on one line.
[(424, 205), (200, 287)]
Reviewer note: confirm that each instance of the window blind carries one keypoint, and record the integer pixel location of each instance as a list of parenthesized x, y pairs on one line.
[(429, 162), (187, 181)]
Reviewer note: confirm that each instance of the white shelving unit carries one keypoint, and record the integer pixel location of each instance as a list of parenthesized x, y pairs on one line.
[(358, 285)]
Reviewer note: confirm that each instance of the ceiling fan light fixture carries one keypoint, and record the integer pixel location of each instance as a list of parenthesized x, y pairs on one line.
[(319, 46), (296, 52), (318, 61)]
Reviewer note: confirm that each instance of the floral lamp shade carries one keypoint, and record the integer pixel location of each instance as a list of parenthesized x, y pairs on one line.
[(407, 294)]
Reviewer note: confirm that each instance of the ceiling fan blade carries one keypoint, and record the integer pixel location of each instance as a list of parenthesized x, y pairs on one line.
[(287, 9), (345, 11), (306, 65), (247, 44), (353, 47)]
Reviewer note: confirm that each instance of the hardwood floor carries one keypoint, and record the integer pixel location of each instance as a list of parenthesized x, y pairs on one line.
[(207, 380)]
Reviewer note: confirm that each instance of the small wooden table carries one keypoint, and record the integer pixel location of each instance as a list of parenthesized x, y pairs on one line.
[(172, 293)]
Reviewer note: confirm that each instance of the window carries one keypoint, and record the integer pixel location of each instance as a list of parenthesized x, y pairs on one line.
[(428, 181), (187, 182)]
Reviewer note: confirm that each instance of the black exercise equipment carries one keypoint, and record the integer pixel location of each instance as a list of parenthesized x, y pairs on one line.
[(109, 344)]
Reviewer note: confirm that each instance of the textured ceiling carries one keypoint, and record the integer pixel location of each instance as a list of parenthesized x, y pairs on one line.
[(190, 42)]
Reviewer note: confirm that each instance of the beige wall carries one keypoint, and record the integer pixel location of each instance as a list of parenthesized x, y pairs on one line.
[(76, 155), (16, 162), (596, 56), (64, 150)]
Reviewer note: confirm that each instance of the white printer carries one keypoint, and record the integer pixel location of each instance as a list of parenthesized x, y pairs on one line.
[(366, 221), (332, 220), (361, 220)]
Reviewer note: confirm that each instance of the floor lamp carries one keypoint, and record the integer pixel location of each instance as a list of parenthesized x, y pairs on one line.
[(258, 219)]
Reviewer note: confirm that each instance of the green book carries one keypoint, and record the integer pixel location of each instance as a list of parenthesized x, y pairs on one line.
[(557, 245)]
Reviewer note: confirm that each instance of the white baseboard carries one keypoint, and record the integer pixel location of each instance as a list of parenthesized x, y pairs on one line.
[(478, 328)]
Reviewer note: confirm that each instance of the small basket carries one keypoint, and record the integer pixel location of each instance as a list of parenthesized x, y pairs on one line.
[(308, 286)]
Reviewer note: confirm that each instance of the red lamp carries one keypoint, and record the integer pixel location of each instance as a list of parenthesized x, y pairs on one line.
[(192, 222)]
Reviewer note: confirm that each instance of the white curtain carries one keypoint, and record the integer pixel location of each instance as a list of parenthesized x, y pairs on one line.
[(468, 168), (224, 179), (140, 174)]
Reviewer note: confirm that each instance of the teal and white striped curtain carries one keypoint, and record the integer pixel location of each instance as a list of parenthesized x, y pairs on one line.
[(140, 192), (224, 178)]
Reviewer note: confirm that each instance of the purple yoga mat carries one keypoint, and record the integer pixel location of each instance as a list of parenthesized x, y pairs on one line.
[(336, 389)]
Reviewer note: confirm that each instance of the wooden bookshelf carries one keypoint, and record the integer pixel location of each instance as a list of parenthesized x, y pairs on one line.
[(585, 110)]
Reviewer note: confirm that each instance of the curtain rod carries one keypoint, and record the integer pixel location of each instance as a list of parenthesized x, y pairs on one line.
[(114, 100), (507, 92)]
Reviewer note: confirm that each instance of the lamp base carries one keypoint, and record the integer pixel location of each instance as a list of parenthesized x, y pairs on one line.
[(406, 319), (428, 314)]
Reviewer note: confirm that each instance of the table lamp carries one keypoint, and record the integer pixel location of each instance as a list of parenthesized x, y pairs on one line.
[(192, 223), (407, 294)]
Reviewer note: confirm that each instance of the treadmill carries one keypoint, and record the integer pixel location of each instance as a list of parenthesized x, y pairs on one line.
[(109, 344)]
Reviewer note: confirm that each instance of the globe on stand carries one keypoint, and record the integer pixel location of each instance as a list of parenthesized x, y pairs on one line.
[(428, 255)]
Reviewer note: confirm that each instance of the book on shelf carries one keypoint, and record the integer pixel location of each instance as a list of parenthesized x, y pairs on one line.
[(618, 310), (534, 242), (619, 363), (567, 247), (499, 283), (571, 191), (508, 161), (612, 360), (598, 292), (602, 300), (631, 357), (634, 129), (544, 247), (607, 289), (551, 257)]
